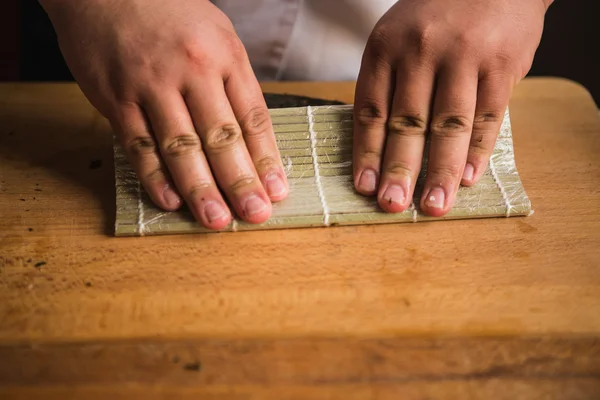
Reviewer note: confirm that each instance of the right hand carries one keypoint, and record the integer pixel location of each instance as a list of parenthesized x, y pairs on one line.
[(175, 82)]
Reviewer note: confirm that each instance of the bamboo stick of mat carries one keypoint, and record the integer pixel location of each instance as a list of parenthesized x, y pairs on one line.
[(316, 149)]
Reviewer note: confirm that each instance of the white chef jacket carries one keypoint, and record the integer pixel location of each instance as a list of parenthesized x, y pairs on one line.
[(319, 40)]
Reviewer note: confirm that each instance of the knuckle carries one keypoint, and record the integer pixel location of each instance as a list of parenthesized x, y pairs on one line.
[(237, 49), (407, 125), (181, 145), (398, 168), (140, 146), (451, 126), (503, 60), (522, 67), (159, 71), (127, 106), (139, 69), (422, 38), (368, 154), (222, 138), (464, 40), (371, 113), (198, 188), (444, 172), (231, 41), (502, 69), (241, 182), (156, 175), (266, 163), (485, 125), (256, 122), (126, 117), (196, 55), (379, 42), (483, 119), (125, 95)]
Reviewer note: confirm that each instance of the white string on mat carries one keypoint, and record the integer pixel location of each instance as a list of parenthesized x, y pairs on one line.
[(501, 187), (313, 148), (234, 225), (141, 225), (414, 211)]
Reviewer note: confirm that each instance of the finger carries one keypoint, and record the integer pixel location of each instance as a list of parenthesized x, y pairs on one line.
[(182, 152), (371, 110), (451, 127), (248, 105), (133, 131), (406, 133), (225, 149), (493, 95)]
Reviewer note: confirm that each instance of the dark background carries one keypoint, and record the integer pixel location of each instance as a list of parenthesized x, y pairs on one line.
[(569, 48)]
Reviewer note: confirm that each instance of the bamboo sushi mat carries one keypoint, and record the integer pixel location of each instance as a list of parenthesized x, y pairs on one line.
[(316, 149)]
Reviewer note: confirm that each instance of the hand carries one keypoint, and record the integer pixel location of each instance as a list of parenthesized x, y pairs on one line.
[(176, 84), (444, 68)]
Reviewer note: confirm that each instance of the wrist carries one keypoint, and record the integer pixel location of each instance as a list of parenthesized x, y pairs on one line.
[(547, 3), (57, 8), (50, 5)]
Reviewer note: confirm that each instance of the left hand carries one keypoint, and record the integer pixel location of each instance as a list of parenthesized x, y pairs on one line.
[(444, 68)]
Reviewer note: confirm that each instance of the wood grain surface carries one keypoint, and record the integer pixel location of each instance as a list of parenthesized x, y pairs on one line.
[(477, 309)]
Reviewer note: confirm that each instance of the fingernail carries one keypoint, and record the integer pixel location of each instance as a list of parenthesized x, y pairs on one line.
[(368, 181), (469, 172), (436, 198), (254, 205), (275, 185), (394, 194), (171, 198), (214, 211)]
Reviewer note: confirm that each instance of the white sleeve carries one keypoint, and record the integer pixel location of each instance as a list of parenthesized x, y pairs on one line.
[(305, 39)]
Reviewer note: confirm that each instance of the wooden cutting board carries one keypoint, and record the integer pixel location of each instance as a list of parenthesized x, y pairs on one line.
[(492, 309)]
